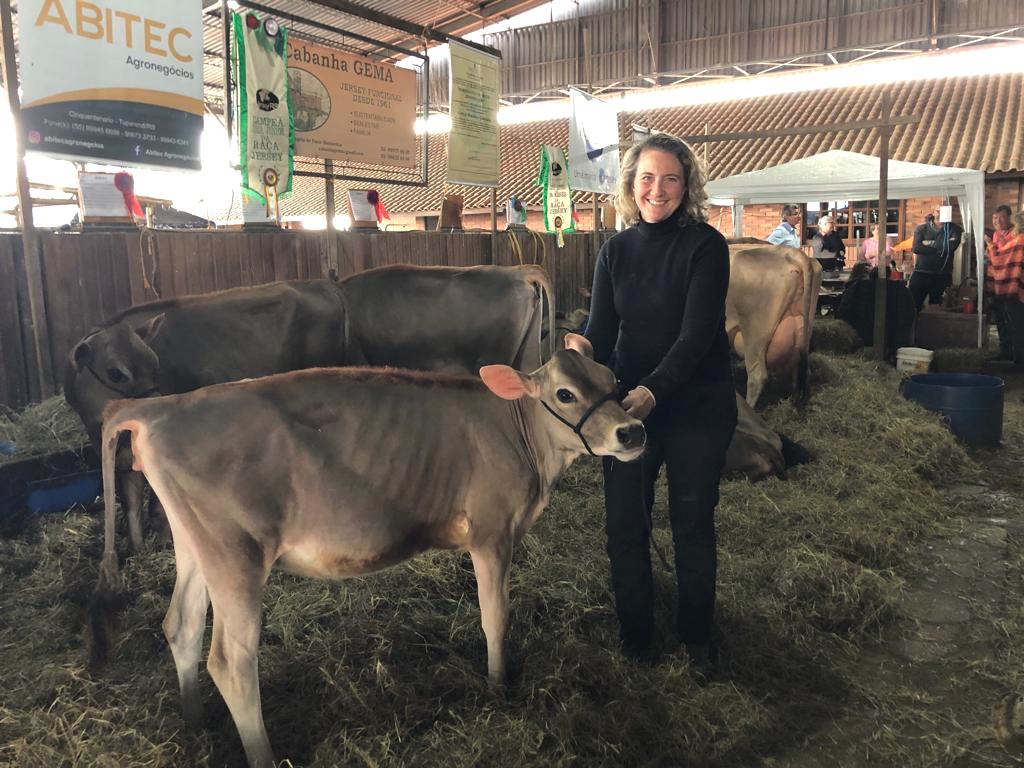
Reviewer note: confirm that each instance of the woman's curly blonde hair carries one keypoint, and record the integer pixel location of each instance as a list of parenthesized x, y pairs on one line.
[(693, 208)]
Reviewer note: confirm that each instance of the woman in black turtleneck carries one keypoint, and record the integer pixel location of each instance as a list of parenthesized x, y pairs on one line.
[(658, 303)]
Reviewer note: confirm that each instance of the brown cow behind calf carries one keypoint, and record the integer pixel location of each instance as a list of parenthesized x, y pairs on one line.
[(769, 311), (341, 472)]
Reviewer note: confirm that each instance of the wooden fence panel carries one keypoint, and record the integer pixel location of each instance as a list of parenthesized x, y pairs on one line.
[(14, 374), (65, 311)]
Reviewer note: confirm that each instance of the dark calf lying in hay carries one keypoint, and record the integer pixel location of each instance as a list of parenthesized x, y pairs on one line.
[(334, 473), (757, 451)]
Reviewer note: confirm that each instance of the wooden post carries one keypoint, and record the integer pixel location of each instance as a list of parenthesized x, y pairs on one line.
[(494, 210), (42, 384), (881, 284)]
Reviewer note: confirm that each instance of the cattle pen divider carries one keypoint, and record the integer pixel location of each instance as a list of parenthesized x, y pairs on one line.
[(90, 276)]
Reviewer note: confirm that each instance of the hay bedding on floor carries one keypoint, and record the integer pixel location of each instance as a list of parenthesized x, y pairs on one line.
[(47, 427), (390, 670)]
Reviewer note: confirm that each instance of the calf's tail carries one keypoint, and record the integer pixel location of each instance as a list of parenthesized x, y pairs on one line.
[(108, 597), (541, 281)]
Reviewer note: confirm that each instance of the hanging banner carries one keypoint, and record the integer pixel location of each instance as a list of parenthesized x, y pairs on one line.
[(593, 144), (473, 156), (350, 108), (266, 138), (554, 178), (121, 86)]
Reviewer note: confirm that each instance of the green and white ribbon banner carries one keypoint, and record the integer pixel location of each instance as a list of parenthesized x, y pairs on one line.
[(554, 178), (266, 136)]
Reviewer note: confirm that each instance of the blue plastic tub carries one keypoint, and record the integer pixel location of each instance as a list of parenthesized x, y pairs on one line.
[(62, 493), (972, 403)]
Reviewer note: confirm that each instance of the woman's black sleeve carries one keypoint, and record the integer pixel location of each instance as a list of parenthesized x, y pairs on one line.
[(603, 325)]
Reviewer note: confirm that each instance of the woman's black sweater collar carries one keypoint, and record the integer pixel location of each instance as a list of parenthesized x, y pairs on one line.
[(660, 230)]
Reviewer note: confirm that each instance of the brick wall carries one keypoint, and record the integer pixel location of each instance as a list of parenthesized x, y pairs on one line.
[(758, 220), (1003, 192)]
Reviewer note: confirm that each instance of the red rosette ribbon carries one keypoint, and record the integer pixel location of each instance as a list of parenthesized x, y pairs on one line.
[(373, 198), (125, 184)]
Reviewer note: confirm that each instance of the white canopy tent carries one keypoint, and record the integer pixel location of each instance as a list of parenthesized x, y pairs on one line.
[(841, 175)]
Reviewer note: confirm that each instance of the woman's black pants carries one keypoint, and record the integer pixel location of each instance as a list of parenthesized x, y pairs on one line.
[(690, 438)]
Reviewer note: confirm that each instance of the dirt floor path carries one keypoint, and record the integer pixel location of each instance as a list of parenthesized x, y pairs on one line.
[(960, 648)]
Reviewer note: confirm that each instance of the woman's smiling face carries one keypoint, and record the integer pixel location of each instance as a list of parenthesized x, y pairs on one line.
[(659, 185)]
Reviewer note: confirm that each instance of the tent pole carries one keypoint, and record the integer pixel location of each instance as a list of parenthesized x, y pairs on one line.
[(882, 283)]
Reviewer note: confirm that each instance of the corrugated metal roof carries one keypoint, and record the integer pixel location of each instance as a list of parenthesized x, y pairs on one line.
[(971, 122)]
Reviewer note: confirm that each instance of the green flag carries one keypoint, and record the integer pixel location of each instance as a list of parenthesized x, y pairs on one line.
[(266, 133), (554, 178)]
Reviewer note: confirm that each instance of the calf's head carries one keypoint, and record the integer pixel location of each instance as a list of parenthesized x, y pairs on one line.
[(579, 393), (112, 363)]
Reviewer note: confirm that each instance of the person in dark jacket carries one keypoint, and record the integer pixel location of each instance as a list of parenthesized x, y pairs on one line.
[(934, 246), (828, 247), (658, 304), (857, 307)]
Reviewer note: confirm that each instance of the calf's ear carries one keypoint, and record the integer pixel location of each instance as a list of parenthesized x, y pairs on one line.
[(148, 330), (580, 344), (81, 355), (508, 383)]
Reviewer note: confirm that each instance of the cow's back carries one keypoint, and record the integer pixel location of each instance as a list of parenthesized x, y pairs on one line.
[(442, 319), (247, 333)]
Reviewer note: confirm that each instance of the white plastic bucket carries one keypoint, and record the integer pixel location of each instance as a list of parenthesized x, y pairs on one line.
[(913, 360)]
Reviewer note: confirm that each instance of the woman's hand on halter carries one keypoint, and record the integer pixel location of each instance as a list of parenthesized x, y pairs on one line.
[(638, 403)]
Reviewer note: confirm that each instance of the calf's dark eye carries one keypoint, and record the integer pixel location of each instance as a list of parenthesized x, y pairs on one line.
[(565, 396), (115, 375)]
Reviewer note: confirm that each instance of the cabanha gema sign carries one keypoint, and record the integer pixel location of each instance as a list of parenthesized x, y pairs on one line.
[(351, 108), (116, 81)]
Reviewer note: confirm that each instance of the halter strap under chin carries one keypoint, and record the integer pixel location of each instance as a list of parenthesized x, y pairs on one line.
[(578, 427), (148, 393)]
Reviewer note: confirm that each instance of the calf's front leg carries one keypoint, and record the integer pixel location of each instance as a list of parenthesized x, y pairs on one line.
[(492, 565)]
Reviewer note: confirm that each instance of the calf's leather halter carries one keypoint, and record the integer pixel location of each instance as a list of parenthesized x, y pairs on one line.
[(148, 393), (578, 427)]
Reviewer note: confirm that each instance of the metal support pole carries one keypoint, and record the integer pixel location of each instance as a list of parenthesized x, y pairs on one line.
[(881, 284), (494, 210), (594, 238), (329, 194), (42, 386), (330, 268), (225, 15)]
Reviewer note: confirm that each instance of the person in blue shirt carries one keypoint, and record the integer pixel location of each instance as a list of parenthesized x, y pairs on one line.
[(785, 233), (658, 311)]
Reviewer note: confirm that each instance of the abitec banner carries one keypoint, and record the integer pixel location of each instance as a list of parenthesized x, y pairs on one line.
[(266, 133), (115, 81)]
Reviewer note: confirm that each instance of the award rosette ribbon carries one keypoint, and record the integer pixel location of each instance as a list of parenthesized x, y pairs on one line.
[(125, 184), (373, 198), (554, 178)]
